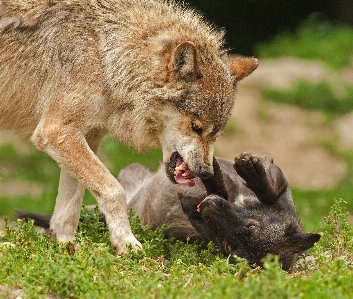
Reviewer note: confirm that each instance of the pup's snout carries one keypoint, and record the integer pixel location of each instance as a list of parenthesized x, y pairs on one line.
[(205, 172)]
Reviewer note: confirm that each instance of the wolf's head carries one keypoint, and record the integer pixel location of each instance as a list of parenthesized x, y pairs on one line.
[(200, 90)]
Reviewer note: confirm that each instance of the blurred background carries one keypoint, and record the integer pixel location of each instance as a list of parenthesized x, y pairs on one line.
[(249, 22), (297, 106)]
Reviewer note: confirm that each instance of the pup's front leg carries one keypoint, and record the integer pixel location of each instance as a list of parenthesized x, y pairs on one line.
[(82, 168), (263, 177)]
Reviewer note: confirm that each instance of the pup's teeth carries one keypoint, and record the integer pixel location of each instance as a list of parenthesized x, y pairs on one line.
[(183, 175), (175, 172)]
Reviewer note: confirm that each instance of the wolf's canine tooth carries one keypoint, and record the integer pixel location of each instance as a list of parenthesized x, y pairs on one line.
[(180, 167)]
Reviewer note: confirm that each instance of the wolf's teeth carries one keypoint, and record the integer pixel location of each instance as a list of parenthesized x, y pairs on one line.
[(180, 167), (183, 175), (174, 172)]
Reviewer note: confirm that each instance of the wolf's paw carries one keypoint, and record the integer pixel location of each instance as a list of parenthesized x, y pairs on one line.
[(127, 243), (62, 235)]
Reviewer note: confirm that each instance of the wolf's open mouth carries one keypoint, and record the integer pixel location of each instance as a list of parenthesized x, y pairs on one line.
[(178, 171)]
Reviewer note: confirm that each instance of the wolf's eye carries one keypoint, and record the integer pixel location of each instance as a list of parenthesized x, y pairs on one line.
[(196, 127)]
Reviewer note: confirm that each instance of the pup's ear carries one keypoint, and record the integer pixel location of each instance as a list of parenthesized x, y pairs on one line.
[(302, 242), (183, 63), (242, 67)]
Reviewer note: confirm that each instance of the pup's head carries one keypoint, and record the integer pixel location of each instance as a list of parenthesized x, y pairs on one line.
[(200, 90), (250, 233), (242, 224)]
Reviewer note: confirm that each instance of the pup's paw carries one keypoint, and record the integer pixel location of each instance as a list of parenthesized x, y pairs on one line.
[(261, 176), (249, 167)]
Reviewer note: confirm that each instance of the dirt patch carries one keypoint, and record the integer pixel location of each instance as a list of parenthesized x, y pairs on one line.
[(288, 133), (21, 188), (343, 127)]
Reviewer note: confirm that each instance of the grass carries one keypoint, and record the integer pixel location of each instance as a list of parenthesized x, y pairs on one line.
[(314, 40), (38, 265)]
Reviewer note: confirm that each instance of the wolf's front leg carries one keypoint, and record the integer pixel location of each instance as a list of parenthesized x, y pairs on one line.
[(82, 168), (67, 209)]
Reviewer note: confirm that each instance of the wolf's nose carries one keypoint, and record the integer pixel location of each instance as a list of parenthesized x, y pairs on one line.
[(205, 172)]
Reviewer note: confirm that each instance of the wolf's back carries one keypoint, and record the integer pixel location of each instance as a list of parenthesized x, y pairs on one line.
[(124, 44)]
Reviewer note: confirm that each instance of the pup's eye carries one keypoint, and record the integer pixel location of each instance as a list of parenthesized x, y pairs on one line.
[(251, 226), (196, 127)]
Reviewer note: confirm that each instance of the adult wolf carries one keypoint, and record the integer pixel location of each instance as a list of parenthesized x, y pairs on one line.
[(151, 73)]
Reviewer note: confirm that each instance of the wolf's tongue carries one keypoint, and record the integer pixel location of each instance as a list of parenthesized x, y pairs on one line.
[(183, 180), (182, 174)]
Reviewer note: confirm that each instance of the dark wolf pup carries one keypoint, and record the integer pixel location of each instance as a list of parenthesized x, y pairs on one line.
[(149, 72), (246, 209)]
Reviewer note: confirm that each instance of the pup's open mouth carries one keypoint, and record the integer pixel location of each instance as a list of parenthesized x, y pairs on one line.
[(178, 171), (205, 202)]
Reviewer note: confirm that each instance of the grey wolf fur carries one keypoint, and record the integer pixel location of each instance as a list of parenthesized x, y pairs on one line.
[(151, 73), (246, 209)]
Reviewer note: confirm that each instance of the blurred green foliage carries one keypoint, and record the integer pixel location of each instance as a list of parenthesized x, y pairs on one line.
[(31, 166), (314, 40), (249, 22), (315, 97)]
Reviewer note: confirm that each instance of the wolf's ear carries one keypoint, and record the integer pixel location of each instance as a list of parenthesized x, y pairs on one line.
[(183, 63), (242, 67)]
